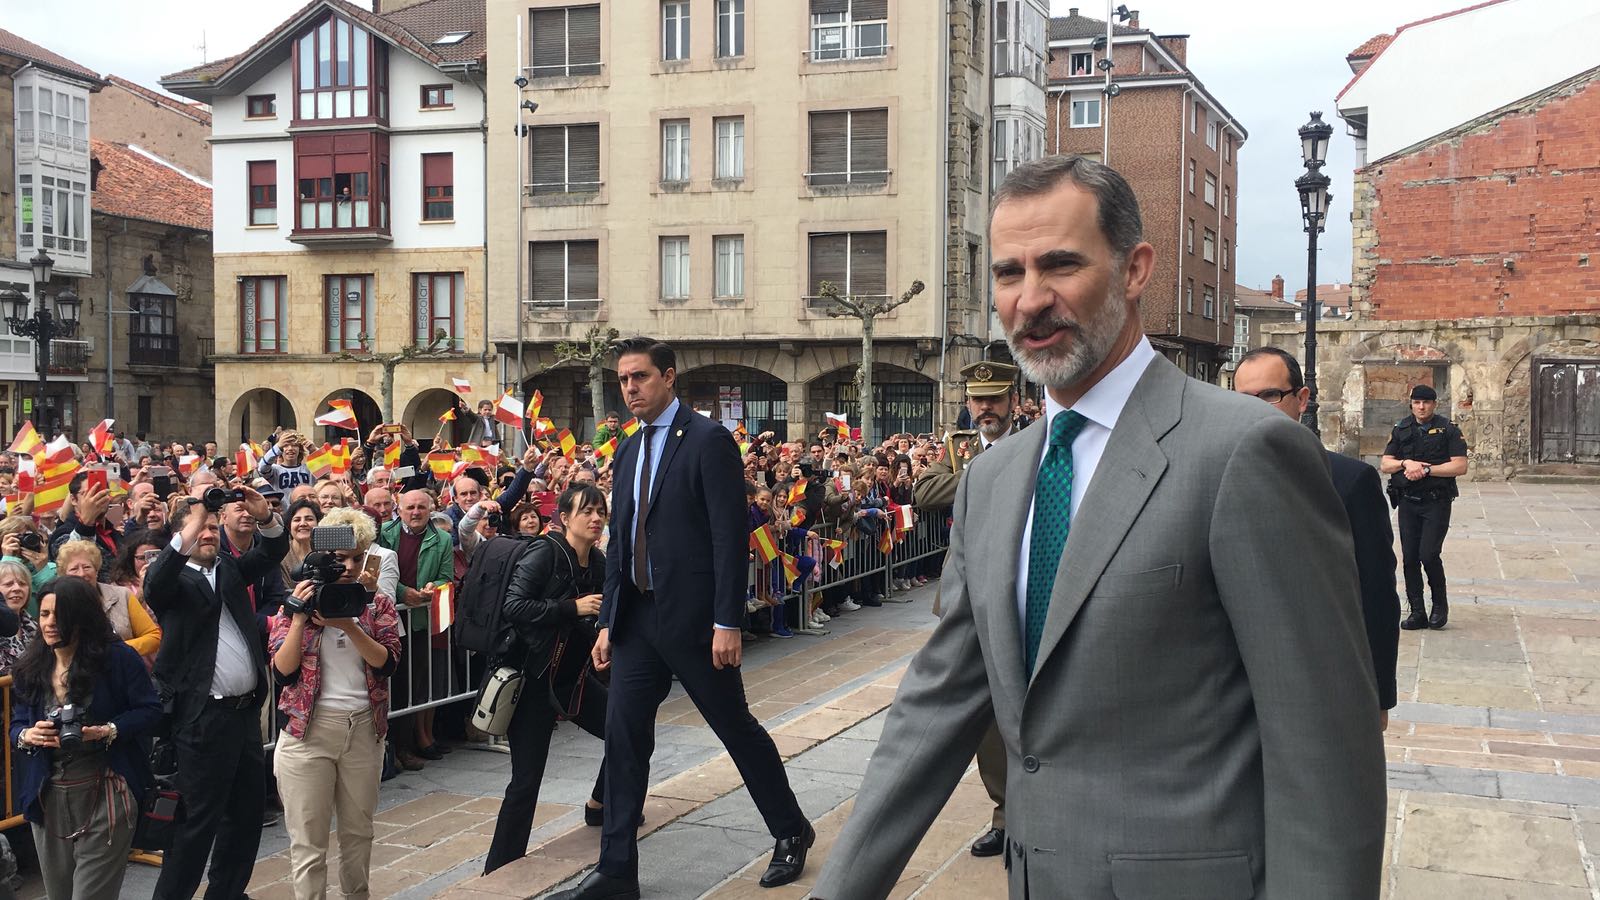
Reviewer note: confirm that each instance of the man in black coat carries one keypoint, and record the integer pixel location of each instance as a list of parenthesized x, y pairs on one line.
[(211, 672), (676, 578), (1274, 376)]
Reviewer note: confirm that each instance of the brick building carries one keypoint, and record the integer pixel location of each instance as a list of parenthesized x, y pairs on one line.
[(1472, 246), (1179, 149)]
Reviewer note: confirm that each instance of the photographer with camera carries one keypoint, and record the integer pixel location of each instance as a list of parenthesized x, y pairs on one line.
[(211, 669), (551, 604), (21, 542), (82, 701), (334, 646)]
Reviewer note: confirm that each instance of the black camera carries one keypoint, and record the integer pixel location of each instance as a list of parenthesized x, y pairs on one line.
[(30, 540), (495, 520), (216, 498), (69, 728), (321, 567), (807, 468)]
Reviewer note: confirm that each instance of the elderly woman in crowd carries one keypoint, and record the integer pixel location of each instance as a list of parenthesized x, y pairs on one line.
[(16, 588), (16, 544), (334, 675), (128, 617)]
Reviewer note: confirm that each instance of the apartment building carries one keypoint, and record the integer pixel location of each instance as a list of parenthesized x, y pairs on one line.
[(348, 164), (696, 170), (1178, 146)]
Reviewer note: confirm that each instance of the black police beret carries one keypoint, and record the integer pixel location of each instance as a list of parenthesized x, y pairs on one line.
[(1423, 392)]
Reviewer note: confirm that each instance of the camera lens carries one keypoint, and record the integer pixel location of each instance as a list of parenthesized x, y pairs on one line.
[(495, 520), (30, 540)]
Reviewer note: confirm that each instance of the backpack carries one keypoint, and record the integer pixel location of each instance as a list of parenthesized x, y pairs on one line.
[(480, 625)]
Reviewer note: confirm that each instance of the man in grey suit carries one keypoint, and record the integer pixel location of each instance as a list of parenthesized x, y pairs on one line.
[(1151, 600)]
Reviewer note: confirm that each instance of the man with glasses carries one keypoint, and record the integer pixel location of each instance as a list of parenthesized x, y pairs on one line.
[(1274, 376)]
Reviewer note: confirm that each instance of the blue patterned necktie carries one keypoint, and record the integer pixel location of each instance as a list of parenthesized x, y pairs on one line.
[(1052, 517)]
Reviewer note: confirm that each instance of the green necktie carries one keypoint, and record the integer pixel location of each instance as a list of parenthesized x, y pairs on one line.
[(1052, 517)]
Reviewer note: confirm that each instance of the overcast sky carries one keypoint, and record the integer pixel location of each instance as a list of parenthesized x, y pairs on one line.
[(1269, 62)]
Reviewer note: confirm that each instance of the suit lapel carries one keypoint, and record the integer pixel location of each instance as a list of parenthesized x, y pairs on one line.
[(1012, 497), (670, 450), (1127, 474)]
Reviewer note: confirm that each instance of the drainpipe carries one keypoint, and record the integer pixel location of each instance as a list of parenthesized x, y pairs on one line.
[(468, 70), (1183, 202)]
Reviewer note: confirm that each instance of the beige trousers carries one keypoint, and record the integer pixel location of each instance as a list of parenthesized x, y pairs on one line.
[(335, 768)]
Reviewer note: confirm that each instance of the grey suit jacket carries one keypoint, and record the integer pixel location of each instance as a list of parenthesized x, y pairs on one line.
[(1201, 721)]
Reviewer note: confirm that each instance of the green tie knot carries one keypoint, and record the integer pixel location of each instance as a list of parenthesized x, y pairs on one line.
[(1064, 429)]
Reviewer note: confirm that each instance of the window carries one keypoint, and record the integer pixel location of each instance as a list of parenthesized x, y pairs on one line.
[(261, 106), (342, 181), (675, 150), (899, 406), (153, 332), (566, 159), (1191, 176), (341, 73), (975, 156), (849, 147), (1020, 46), (1082, 64), (564, 273), (674, 268), (1194, 120), (730, 28), (674, 29), (1209, 246), (1211, 189), (263, 192), (849, 29), (263, 319), (854, 262), (438, 187), (1086, 112), (1188, 296), (1227, 148), (1211, 132), (1189, 237), (1209, 299), (438, 96), (454, 37), (62, 212), (1227, 248), (564, 42), (730, 148), (438, 302), (1016, 140), (730, 265), (1227, 200), (146, 407), (349, 306)]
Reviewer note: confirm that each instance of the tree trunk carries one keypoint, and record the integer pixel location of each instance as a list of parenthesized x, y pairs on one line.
[(597, 390), (386, 388), (868, 407)]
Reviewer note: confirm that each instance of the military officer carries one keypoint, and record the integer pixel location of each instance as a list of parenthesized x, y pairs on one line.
[(991, 403), (1425, 456)]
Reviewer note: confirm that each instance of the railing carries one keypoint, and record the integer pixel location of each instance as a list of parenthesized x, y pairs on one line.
[(560, 188), (69, 357), (13, 810), (208, 349), (590, 305), (842, 179), (153, 349), (821, 303), (565, 70)]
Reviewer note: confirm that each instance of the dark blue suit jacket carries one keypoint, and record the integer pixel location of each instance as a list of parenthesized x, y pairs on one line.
[(1361, 491), (696, 529)]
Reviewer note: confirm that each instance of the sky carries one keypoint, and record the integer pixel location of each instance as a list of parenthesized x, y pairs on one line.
[(1269, 62)]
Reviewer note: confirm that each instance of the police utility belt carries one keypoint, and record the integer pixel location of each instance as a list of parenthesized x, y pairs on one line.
[(1431, 494)]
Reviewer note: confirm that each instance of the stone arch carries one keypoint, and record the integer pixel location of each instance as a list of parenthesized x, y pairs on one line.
[(369, 414), (737, 392), (256, 413), (907, 399), (422, 414), (1515, 369)]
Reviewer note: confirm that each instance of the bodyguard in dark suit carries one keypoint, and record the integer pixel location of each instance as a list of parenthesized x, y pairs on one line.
[(674, 599), (211, 672), (1274, 375)]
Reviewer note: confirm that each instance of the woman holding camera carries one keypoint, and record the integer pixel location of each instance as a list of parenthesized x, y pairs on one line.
[(21, 540), (334, 674), (129, 619), (82, 701), (551, 602)]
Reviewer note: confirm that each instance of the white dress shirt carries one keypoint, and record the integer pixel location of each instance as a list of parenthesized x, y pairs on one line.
[(235, 673), (1102, 406)]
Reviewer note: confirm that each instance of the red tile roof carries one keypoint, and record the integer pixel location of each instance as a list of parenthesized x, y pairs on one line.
[(133, 184), (180, 107), (1372, 47), (17, 45), (1398, 31)]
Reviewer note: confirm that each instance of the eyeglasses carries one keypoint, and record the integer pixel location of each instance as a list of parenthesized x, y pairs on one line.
[(1273, 395)]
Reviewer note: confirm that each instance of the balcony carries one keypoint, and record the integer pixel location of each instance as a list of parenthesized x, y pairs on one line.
[(69, 357), (153, 350)]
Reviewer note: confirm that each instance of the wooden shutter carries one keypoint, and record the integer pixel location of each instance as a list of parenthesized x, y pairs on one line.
[(869, 10), (583, 40), (438, 170), (828, 261), (869, 145), (867, 263), (829, 147), (583, 270), (547, 41), (549, 159), (583, 157), (547, 271)]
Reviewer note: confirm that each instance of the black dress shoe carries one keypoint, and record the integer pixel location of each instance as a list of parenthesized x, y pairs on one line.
[(1416, 620), (599, 886), (1441, 614), (431, 751), (991, 844), (788, 859)]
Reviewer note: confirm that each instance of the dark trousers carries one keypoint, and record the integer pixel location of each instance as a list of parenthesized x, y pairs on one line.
[(1422, 530), (643, 661), (529, 734), (221, 774)]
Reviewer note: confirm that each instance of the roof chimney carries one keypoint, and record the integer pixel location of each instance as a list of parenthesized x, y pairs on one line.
[(1133, 19), (1072, 13), (1277, 287)]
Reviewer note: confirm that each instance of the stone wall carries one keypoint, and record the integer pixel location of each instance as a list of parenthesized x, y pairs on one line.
[(123, 116)]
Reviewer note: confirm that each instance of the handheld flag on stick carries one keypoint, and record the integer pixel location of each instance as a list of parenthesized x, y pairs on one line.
[(763, 546), (791, 570), (509, 410), (797, 517), (836, 550), (838, 421), (187, 463), (902, 518), (443, 612), (320, 463), (886, 541), (391, 455), (100, 437), (605, 450), (536, 405), (461, 385), (27, 441), (797, 491), (568, 444), (448, 415), (54, 481), (339, 415), (440, 462), (341, 457)]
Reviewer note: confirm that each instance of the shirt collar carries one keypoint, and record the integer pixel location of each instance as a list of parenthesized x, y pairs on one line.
[(1103, 403), (667, 415)]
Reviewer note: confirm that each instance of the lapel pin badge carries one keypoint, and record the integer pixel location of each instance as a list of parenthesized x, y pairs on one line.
[(680, 432)]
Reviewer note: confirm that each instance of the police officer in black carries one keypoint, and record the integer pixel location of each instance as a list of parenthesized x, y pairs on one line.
[(1425, 455)]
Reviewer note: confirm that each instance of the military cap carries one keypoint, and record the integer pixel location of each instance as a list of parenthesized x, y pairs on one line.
[(1423, 392), (989, 378)]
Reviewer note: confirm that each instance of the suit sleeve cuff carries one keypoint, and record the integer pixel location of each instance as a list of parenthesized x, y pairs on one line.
[(720, 627), (177, 544)]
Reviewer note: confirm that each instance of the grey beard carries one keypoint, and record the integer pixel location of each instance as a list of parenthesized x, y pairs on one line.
[(1091, 342)]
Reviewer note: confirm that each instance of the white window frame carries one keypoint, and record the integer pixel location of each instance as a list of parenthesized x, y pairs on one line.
[(1072, 63), (1208, 302), (1227, 251), (1085, 104), (730, 148), (674, 150), (1189, 240), (847, 35), (1188, 296), (1211, 189), (1211, 132), (675, 45), (1227, 200), (675, 265), (729, 260), (730, 29), (1191, 176), (1208, 246)]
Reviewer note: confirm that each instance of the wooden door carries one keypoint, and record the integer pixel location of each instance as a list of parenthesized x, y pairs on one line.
[(1567, 399)]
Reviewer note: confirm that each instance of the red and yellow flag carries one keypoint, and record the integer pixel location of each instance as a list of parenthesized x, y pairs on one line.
[(762, 545), (903, 519), (836, 550), (54, 481), (440, 462), (630, 426), (797, 491), (536, 405), (605, 450), (567, 443), (443, 612), (791, 570), (886, 541), (797, 517), (27, 440), (448, 415), (320, 463), (391, 455), (341, 457), (100, 437)]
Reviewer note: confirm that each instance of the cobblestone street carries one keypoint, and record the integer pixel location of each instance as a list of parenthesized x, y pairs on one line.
[(1494, 750)]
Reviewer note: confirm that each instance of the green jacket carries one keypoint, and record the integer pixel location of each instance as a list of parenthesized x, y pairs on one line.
[(435, 563)]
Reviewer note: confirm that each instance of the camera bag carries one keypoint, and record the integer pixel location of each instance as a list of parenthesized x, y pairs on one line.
[(497, 699)]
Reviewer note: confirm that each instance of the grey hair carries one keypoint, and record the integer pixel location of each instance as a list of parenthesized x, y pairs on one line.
[(1120, 221)]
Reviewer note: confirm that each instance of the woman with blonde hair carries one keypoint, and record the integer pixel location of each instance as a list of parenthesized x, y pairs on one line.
[(16, 589), (129, 619)]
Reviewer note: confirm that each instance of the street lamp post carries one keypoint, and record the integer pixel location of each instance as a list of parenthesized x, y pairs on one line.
[(1314, 199), (42, 326)]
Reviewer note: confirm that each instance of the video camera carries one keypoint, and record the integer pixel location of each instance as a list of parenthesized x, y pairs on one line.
[(216, 498), (321, 567)]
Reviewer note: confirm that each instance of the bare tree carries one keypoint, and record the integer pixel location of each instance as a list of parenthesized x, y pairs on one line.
[(438, 348), (591, 352), (867, 308)]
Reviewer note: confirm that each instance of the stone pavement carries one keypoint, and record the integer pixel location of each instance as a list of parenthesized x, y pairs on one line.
[(1494, 751)]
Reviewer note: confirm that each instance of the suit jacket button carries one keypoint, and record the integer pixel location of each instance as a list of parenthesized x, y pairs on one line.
[(1030, 764)]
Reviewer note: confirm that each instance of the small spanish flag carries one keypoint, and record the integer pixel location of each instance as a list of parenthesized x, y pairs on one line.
[(797, 517), (836, 550), (448, 415), (443, 612), (319, 463), (27, 440), (605, 450), (440, 462), (536, 405), (630, 426), (54, 481), (903, 519), (762, 544), (391, 455), (791, 570), (341, 457), (567, 443), (886, 541), (797, 491)]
